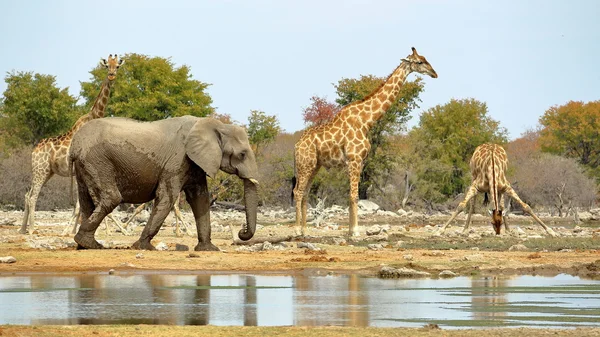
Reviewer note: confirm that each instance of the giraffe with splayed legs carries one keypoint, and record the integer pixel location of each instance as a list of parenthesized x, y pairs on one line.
[(488, 168), (49, 157), (343, 142)]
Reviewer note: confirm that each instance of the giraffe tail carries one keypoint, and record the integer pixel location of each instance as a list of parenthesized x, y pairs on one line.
[(293, 186)]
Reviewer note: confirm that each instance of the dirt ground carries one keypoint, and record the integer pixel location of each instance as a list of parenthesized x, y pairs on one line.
[(403, 242)]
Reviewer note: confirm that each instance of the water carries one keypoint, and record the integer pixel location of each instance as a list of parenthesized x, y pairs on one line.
[(275, 300)]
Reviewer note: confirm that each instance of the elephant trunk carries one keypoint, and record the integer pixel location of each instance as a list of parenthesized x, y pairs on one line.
[(251, 201)]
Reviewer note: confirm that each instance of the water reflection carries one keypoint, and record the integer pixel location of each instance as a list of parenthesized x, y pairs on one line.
[(268, 300)]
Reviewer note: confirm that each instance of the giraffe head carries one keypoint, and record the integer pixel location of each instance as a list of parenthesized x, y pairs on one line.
[(419, 64), (497, 220), (112, 65)]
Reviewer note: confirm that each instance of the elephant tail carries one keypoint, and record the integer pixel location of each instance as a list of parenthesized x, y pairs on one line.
[(71, 174)]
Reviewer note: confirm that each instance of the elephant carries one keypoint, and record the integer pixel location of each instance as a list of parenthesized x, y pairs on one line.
[(121, 160)]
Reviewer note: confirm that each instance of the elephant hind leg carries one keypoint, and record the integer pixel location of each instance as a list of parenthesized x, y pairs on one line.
[(93, 211)]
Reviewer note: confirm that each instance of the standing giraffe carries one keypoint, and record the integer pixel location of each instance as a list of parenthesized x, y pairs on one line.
[(49, 157), (343, 142), (488, 166)]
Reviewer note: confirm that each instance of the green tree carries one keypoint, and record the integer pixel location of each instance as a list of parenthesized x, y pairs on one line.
[(573, 130), (380, 161), (151, 88), (262, 129), (34, 108), (443, 143)]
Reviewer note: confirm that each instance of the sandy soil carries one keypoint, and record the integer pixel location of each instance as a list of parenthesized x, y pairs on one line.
[(48, 251)]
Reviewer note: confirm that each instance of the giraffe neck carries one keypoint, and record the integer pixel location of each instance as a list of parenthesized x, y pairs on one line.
[(374, 106), (97, 110)]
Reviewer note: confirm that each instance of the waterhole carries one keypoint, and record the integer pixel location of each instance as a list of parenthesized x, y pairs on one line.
[(286, 300)]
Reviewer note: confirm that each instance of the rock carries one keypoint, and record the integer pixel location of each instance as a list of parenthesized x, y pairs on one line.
[(139, 256), (585, 216), (535, 236), (162, 246), (307, 245), (402, 212), (408, 257), (368, 206), (7, 259), (193, 255), (387, 213), (474, 257), (475, 248), (447, 274), (339, 241), (374, 230), (389, 272), (378, 237), (111, 272), (577, 229), (181, 248), (518, 248), (399, 244), (375, 246)]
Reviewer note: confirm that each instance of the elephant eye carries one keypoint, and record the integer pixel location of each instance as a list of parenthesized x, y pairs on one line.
[(243, 155)]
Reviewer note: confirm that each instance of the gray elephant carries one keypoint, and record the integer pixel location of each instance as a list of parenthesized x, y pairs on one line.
[(122, 160)]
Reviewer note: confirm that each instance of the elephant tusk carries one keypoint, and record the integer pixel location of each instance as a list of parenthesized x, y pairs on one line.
[(254, 181)]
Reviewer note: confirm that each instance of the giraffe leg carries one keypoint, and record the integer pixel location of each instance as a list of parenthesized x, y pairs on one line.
[(471, 210), (137, 211), (354, 168), (463, 204), (179, 219), (511, 193), (119, 224), (74, 221), (40, 177), (303, 181)]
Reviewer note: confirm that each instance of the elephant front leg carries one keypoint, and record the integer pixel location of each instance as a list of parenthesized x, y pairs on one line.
[(197, 197)]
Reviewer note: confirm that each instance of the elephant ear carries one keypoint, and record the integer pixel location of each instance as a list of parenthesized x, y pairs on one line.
[(203, 145)]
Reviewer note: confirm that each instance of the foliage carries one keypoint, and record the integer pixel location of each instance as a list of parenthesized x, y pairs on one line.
[(150, 88), (262, 129), (379, 160), (573, 130), (443, 143), (34, 108), (319, 111)]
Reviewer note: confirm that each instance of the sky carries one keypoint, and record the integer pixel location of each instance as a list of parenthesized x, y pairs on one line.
[(520, 57)]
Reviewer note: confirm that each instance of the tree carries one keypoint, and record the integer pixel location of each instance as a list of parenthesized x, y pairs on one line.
[(151, 88), (573, 130), (319, 111), (379, 160), (443, 143), (34, 108), (262, 129)]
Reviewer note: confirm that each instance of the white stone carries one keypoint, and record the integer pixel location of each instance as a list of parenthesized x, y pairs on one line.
[(7, 259), (367, 205), (162, 246), (447, 274)]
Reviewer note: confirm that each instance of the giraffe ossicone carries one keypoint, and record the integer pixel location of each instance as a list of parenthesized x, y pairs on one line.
[(488, 168), (343, 141)]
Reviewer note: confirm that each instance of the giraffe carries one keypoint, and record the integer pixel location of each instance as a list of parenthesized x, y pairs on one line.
[(343, 141), (488, 168), (178, 218), (49, 157)]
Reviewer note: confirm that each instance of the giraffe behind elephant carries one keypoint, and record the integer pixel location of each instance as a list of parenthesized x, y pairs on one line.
[(49, 157)]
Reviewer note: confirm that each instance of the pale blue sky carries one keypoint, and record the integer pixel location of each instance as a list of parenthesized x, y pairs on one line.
[(520, 57)]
